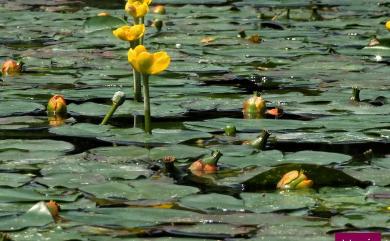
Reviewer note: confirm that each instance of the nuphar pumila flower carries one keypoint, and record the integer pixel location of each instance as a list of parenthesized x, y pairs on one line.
[(137, 8), (294, 180), (255, 104), (130, 33), (148, 63), (388, 25)]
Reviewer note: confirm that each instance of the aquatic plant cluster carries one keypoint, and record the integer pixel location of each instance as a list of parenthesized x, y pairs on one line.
[(270, 120)]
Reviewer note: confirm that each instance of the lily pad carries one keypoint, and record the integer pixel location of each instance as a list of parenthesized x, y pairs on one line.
[(270, 202), (138, 190), (102, 22), (17, 108), (32, 150)]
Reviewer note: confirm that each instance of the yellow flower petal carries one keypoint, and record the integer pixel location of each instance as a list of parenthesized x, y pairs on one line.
[(133, 55), (137, 9), (145, 62), (128, 33), (148, 2), (161, 61)]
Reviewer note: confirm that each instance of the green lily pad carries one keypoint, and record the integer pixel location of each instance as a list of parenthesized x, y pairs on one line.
[(102, 22), (316, 157), (178, 151), (14, 179), (213, 202), (12, 108), (32, 150), (37, 216), (29, 195), (139, 190), (81, 130), (270, 202), (160, 136)]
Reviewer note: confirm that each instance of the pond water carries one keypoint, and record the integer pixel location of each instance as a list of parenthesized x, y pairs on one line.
[(111, 182)]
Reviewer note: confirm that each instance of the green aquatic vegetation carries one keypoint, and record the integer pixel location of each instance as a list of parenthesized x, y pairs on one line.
[(116, 182)]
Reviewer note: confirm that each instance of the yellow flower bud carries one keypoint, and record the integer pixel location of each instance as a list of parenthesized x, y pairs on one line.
[(254, 105), (157, 24), (294, 180), (54, 208), (130, 33), (159, 9), (11, 67), (137, 9), (148, 63), (56, 105), (388, 25)]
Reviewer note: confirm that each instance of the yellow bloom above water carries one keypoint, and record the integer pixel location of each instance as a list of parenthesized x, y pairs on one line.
[(130, 33), (148, 2), (137, 9), (388, 25), (148, 63)]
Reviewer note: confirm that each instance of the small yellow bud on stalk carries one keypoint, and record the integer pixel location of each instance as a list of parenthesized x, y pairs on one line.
[(57, 106)]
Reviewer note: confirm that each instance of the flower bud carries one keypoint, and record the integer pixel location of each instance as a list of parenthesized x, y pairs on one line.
[(355, 94), (159, 9), (56, 105), (255, 39), (241, 34), (230, 130), (206, 166), (118, 98), (294, 180), (158, 24), (388, 25), (54, 208), (254, 106), (11, 67)]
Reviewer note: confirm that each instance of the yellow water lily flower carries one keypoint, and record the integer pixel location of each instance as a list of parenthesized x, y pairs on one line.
[(294, 180), (388, 25), (148, 63), (137, 9), (148, 2), (130, 33)]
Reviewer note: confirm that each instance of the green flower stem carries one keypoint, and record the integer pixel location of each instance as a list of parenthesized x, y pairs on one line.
[(136, 80), (147, 120), (109, 113), (141, 40), (117, 100)]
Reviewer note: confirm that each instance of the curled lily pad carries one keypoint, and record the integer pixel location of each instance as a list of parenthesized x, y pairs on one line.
[(321, 176)]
